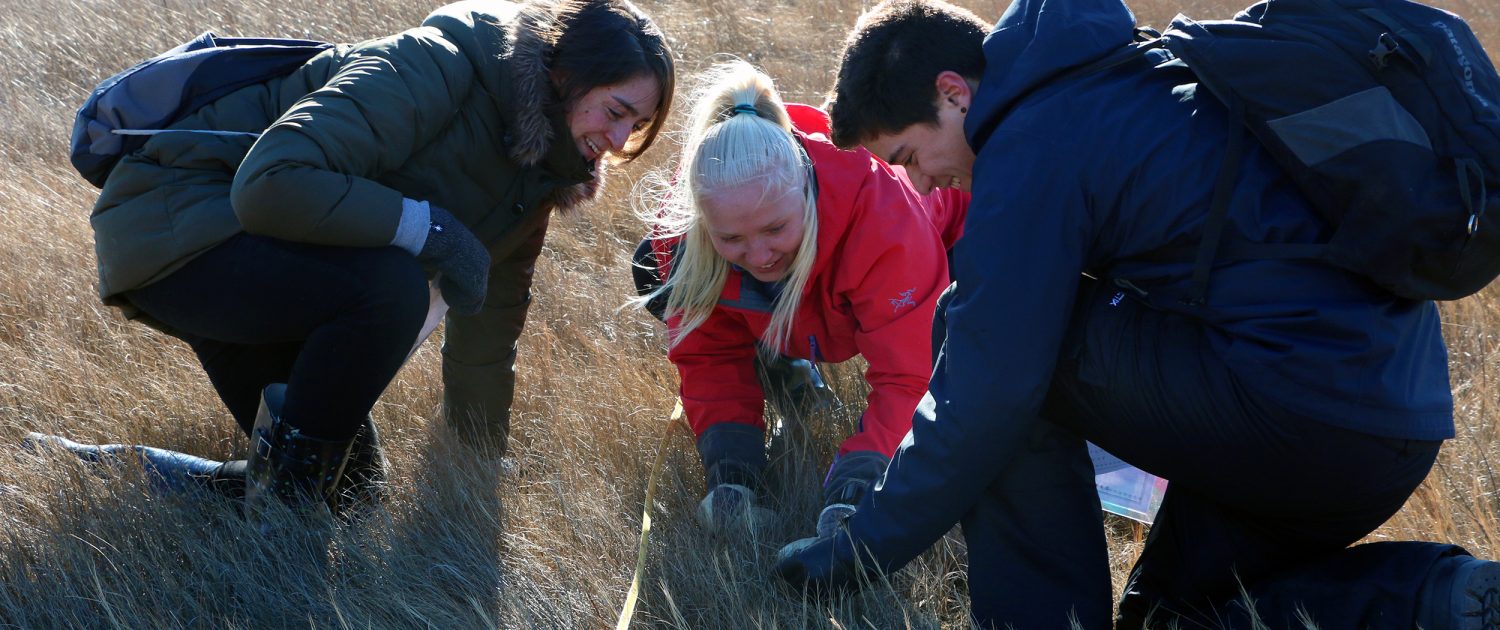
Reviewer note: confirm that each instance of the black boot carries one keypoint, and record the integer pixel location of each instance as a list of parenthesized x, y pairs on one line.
[(362, 485), (299, 470), (364, 479)]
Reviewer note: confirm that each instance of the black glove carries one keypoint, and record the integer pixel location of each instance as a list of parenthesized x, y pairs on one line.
[(731, 507), (463, 262), (833, 517), (852, 475), (819, 564), (849, 478)]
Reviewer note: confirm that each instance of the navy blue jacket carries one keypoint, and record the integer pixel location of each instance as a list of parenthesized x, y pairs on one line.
[(1081, 174)]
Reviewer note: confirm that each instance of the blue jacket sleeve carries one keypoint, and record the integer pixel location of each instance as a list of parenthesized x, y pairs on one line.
[(1025, 244)]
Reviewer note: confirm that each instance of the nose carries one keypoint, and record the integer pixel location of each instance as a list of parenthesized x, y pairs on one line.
[(619, 134), (759, 254), (923, 183), (919, 180)]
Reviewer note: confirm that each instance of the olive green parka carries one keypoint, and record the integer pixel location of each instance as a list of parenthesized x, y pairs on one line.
[(457, 112)]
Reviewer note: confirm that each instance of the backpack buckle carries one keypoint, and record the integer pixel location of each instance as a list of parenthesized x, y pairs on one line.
[(1470, 177), (1384, 47)]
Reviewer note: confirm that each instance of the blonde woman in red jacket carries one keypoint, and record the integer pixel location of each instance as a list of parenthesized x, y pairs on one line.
[(773, 241)]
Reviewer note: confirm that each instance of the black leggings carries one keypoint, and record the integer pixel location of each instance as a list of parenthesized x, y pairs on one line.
[(333, 323)]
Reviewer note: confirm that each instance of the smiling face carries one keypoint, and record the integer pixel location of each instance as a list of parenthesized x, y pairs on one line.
[(604, 118), (757, 229), (935, 155)]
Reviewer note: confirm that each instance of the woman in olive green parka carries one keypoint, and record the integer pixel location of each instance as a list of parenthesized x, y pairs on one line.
[(297, 263)]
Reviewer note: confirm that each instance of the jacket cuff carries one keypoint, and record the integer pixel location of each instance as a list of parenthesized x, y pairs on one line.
[(733, 453), (411, 233), (851, 476)]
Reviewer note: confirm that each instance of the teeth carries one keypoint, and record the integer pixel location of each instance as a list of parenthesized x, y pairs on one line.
[(592, 147)]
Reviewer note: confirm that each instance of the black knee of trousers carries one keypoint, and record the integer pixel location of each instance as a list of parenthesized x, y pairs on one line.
[(646, 272), (349, 359), (396, 293)]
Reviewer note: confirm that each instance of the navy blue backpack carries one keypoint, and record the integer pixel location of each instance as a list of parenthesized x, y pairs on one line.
[(1386, 114), (125, 109)]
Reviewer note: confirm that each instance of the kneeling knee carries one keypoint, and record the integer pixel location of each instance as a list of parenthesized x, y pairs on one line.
[(397, 289)]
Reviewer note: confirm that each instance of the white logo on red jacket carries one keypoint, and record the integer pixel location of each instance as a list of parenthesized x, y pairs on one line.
[(904, 300)]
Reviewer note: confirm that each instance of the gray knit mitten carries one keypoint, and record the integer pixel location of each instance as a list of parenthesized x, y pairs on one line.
[(461, 260)]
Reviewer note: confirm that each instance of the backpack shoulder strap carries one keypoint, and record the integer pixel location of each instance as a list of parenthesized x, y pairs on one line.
[(1218, 211), (1112, 60)]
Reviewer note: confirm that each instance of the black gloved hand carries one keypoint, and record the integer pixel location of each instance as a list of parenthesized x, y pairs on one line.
[(833, 517), (849, 478), (462, 261), (819, 564), (730, 508)]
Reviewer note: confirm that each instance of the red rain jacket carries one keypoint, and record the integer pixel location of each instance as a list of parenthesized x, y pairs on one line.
[(881, 265)]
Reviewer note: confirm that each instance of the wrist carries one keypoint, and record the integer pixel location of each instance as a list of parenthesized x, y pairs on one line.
[(851, 475), (411, 232)]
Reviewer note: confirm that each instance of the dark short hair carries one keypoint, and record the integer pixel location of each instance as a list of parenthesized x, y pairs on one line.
[(605, 42), (891, 61)]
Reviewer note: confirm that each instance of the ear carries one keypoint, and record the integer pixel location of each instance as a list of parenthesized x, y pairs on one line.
[(953, 90)]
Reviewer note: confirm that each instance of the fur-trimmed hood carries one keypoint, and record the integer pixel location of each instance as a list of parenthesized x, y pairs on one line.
[(519, 35)]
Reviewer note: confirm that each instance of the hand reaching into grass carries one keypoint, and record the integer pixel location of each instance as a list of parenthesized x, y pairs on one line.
[(731, 507), (819, 564)]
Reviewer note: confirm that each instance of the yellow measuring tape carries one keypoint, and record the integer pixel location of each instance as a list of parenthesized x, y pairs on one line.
[(628, 610)]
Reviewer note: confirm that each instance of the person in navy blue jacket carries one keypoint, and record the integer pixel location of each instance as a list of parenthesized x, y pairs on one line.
[(1294, 410)]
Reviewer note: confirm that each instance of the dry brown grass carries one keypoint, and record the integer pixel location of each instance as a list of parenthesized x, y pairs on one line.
[(546, 542)]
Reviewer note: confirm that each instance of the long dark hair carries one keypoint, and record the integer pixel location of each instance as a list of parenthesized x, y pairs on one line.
[(605, 42)]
